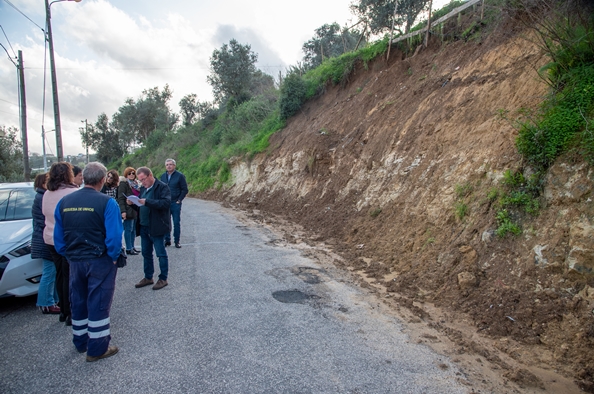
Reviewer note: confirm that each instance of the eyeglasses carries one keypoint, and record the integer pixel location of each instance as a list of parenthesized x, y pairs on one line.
[(132, 173)]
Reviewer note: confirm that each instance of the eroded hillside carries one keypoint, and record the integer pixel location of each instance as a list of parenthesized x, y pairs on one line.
[(376, 169)]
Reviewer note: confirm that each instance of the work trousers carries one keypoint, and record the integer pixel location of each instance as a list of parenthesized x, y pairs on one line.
[(92, 284)]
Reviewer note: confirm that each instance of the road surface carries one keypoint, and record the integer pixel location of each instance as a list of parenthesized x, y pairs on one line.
[(241, 314)]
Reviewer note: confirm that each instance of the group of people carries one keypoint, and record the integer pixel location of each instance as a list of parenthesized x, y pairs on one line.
[(79, 217)]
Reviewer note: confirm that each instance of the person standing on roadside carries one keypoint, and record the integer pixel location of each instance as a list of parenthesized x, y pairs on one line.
[(60, 183), (129, 187), (155, 199), (111, 184), (78, 177), (88, 232), (47, 296), (179, 189)]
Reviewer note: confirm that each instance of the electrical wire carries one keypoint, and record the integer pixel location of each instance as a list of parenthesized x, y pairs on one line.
[(7, 40), (22, 13), (11, 59)]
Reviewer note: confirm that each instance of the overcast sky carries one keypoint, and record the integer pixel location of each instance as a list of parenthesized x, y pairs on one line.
[(109, 50)]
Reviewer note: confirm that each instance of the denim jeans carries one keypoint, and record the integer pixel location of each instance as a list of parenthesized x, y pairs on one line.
[(47, 294), (176, 215), (129, 233), (147, 242)]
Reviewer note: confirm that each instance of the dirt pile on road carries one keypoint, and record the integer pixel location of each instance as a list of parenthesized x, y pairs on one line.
[(379, 169)]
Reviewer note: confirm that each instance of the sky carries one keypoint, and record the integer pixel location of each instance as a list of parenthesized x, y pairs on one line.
[(107, 51)]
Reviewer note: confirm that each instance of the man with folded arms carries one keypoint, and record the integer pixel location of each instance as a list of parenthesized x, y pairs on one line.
[(88, 232)]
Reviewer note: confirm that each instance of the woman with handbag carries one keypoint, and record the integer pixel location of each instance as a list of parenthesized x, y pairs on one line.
[(129, 187)]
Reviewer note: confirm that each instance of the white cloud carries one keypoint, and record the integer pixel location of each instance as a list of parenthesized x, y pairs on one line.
[(107, 51)]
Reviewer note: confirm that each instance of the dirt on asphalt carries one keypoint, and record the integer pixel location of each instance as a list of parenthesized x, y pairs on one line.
[(370, 177)]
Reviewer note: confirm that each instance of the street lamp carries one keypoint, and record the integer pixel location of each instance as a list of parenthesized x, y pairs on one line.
[(50, 40)]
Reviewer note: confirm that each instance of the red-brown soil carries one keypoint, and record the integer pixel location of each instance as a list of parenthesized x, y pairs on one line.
[(370, 175)]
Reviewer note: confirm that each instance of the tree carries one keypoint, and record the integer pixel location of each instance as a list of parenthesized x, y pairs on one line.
[(293, 92), (231, 72), (105, 140), (11, 155), (379, 14), (189, 109), (136, 120), (329, 41)]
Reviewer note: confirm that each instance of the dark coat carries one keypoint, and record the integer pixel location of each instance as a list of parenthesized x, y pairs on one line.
[(159, 213), (124, 190), (177, 184), (38, 248)]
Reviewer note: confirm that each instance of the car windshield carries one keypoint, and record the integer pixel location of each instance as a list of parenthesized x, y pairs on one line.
[(16, 204)]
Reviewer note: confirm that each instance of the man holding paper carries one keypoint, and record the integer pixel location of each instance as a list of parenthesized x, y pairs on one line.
[(154, 202)]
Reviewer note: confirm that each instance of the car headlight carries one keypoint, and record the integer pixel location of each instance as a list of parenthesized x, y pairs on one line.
[(21, 250)]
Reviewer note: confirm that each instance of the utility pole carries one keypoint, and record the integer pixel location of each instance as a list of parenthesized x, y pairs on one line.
[(50, 40), (21, 70), (86, 136)]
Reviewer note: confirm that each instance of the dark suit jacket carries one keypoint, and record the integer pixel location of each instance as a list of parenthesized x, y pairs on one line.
[(177, 184)]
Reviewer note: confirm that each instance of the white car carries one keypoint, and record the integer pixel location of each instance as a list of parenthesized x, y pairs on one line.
[(19, 273)]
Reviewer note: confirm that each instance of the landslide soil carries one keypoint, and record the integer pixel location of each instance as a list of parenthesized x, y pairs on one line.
[(371, 174)]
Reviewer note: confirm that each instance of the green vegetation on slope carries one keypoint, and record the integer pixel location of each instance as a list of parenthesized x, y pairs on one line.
[(564, 121)]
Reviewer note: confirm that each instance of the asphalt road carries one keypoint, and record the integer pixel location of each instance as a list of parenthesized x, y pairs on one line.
[(240, 315)]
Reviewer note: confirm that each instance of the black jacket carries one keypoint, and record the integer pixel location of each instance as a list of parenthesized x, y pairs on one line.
[(124, 189), (159, 214), (177, 185), (38, 248)]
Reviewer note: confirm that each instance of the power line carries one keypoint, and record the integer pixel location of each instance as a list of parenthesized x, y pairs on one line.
[(21, 12), (140, 68), (8, 55), (8, 41)]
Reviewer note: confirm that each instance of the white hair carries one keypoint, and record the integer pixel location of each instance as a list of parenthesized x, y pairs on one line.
[(170, 160)]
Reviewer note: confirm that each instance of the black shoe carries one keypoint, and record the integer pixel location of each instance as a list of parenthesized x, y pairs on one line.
[(177, 245), (68, 320), (136, 250), (62, 317), (131, 252), (167, 243)]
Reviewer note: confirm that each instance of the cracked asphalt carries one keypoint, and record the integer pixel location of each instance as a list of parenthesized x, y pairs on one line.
[(241, 314)]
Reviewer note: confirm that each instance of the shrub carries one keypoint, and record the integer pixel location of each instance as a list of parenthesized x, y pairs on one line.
[(461, 210), (506, 225), (292, 95)]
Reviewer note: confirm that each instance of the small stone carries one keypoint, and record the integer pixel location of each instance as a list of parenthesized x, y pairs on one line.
[(466, 280)]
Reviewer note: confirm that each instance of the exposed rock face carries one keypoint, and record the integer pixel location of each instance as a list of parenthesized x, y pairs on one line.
[(391, 159)]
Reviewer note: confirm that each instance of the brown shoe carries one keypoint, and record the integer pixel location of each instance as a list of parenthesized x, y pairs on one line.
[(160, 284), (111, 350), (144, 282)]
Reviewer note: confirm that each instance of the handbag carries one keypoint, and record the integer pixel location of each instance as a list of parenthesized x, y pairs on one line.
[(122, 259)]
